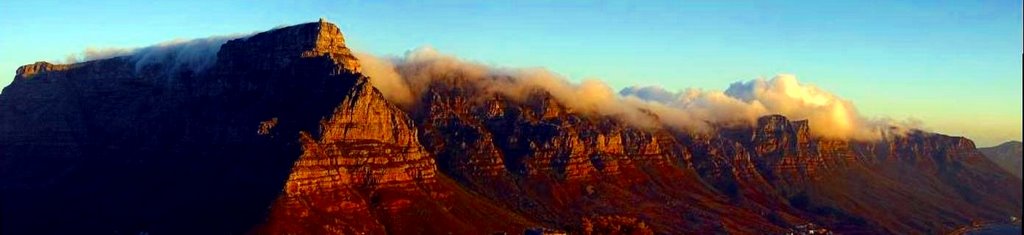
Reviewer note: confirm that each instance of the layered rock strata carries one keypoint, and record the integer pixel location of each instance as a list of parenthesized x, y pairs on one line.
[(284, 135)]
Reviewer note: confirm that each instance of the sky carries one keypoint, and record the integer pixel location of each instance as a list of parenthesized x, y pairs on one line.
[(954, 65)]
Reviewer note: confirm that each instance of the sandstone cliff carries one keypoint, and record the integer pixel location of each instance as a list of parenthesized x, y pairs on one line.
[(284, 135), (283, 121), (566, 168)]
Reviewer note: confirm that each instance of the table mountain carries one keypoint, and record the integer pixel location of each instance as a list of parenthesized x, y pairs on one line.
[(283, 134)]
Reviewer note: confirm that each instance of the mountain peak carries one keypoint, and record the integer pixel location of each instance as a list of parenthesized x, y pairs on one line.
[(280, 134), (29, 70), (275, 48), (272, 49)]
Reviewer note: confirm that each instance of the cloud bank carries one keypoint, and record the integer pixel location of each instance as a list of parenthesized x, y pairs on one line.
[(404, 80), (743, 102), (188, 54)]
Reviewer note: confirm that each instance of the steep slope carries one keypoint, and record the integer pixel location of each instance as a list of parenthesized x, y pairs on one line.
[(283, 135), (1006, 155), (569, 170), (563, 167), (106, 147)]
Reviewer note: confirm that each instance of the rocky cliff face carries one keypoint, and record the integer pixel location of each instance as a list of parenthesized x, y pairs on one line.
[(773, 175), (283, 120), (283, 135)]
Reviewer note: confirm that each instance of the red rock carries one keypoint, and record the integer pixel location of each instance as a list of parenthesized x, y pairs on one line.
[(283, 135)]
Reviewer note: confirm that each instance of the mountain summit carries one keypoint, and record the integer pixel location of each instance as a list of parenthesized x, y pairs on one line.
[(283, 134)]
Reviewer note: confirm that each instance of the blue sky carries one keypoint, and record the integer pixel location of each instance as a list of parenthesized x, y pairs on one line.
[(955, 65)]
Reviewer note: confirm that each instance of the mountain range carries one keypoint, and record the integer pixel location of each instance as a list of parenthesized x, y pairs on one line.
[(283, 134), (1006, 155)]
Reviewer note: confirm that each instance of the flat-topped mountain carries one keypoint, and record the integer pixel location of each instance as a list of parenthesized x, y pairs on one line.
[(283, 134)]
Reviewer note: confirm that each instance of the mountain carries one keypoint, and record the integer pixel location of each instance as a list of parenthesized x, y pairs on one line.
[(280, 121), (283, 134), (1007, 155)]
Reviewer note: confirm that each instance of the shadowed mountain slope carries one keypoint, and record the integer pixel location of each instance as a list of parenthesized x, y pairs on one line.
[(1007, 155), (284, 135)]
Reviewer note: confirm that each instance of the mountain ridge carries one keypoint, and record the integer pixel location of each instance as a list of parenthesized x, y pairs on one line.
[(1007, 155), (327, 153)]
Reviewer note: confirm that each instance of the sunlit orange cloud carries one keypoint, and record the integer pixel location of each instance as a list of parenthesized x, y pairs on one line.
[(404, 80)]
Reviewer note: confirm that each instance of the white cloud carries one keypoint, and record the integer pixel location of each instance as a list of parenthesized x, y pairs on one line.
[(405, 79)]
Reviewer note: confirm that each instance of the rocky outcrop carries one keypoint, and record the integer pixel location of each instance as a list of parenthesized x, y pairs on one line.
[(277, 50), (27, 71), (284, 135), (562, 168), (774, 170), (283, 120), (615, 225)]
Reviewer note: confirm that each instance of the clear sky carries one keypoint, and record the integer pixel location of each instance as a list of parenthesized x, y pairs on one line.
[(955, 65)]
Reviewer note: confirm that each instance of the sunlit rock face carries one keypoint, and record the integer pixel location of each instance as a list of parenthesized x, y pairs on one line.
[(106, 146), (284, 135), (283, 120), (563, 167)]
